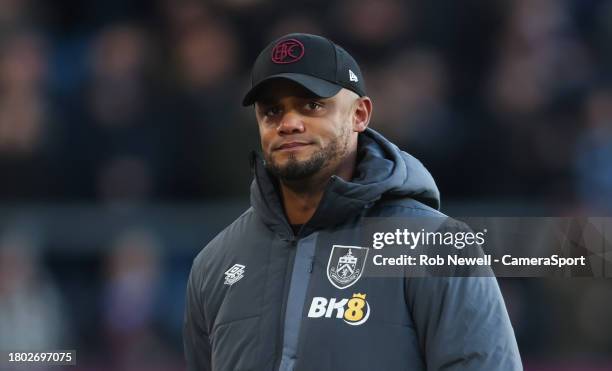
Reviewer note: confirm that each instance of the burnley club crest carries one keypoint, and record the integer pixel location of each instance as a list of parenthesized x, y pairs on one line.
[(345, 265)]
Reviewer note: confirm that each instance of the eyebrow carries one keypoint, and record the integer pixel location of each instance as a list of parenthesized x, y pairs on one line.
[(266, 101)]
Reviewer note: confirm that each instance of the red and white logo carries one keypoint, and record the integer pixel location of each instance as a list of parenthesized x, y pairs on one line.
[(287, 51)]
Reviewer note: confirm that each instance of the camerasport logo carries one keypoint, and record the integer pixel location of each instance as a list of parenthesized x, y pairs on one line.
[(354, 311)]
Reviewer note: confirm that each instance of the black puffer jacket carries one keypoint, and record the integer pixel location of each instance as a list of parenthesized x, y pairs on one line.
[(260, 298)]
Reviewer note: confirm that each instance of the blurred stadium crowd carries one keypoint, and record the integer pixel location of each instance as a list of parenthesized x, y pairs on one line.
[(114, 103), (106, 101)]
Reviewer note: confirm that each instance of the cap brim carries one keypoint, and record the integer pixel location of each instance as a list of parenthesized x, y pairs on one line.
[(320, 88)]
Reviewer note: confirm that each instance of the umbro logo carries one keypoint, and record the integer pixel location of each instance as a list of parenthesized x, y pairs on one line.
[(234, 274), (352, 76)]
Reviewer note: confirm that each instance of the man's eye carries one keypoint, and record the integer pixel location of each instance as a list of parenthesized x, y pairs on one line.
[(313, 106), (272, 111)]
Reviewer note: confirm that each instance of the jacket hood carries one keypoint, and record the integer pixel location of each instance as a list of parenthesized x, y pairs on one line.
[(382, 170)]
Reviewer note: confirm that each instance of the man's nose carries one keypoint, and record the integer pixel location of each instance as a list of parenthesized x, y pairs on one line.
[(291, 123)]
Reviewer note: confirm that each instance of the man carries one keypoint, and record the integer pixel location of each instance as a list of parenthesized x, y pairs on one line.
[(265, 294)]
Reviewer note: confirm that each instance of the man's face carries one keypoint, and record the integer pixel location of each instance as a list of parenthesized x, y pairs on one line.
[(302, 134)]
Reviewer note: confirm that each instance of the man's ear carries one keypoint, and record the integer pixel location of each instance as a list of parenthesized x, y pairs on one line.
[(362, 112)]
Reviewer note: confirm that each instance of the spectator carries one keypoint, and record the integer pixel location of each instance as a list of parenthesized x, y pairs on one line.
[(31, 310), (133, 274)]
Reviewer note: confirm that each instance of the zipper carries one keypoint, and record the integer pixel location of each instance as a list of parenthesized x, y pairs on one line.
[(310, 268), (286, 286), (305, 260)]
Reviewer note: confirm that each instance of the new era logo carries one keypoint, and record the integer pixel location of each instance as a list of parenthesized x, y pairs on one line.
[(352, 76), (234, 274)]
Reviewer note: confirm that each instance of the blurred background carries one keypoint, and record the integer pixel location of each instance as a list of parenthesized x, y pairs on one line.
[(124, 150)]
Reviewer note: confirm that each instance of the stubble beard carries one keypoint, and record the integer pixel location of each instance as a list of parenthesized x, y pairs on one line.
[(295, 170)]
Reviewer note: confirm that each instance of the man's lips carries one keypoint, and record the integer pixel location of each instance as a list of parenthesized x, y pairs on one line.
[(291, 146)]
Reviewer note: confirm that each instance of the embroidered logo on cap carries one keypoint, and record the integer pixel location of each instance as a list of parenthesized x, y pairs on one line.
[(352, 76), (287, 51)]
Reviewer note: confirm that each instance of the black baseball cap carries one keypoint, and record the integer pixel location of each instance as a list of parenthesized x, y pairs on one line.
[(312, 61)]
